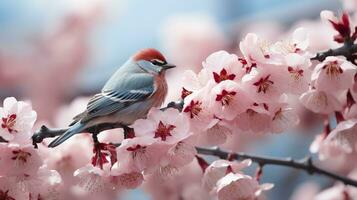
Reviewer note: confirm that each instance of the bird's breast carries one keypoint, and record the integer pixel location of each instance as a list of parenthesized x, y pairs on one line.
[(160, 90)]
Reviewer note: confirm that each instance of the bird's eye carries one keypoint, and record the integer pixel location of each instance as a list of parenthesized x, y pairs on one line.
[(157, 62)]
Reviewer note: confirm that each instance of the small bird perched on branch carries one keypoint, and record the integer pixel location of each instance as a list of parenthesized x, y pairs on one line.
[(128, 95)]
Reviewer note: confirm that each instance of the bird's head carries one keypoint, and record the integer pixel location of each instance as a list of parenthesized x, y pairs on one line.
[(151, 61)]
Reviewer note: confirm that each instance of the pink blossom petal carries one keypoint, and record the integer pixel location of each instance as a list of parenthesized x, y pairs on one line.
[(16, 160), (333, 74), (320, 102)]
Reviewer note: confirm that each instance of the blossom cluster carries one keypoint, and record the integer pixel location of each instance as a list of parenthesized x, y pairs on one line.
[(230, 93), (246, 93), (249, 92), (334, 92), (23, 174)]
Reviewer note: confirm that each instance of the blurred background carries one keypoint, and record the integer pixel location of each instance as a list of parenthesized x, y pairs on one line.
[(54, 51)]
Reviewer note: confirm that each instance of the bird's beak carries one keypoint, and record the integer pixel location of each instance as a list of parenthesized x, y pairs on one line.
[(168, 66)]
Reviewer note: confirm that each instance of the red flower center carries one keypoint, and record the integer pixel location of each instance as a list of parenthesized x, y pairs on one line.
[(136, 149), (185, 93), (263, 84), (333, 69), (222, 76), (243, 61), (21, 155), (194, 108), (296, 73), (163, 130), (225, 97), (9, 123)]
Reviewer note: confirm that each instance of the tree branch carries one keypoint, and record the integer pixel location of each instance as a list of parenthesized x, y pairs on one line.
[(348, 50), (45, 132), (304, 164)]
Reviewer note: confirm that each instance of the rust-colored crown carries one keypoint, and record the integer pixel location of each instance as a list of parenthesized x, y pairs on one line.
[(148, 54)]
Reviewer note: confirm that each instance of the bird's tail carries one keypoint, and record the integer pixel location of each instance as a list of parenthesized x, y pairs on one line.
[(74, 129)]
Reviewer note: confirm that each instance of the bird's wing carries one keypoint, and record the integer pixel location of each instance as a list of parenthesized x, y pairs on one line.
[(137, 87)]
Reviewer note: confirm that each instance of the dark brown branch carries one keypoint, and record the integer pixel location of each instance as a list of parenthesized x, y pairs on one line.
[(348, 50), (304, 164), (45, 132)]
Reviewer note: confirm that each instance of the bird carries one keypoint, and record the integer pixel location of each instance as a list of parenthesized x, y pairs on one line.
[(137, 86)]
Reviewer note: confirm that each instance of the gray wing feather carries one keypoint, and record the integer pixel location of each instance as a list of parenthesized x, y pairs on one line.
[(115, 97)]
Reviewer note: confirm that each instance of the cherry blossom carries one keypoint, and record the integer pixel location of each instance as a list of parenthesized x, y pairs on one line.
[(325, 149), (94, 180), (264, 85), (228, 100), (196, 107), (219, 169), (216, 135), (298, 43), (344, 136), (140, 153), (130, 180), (62, 158), (224, 66), (43, 184), (185, 184), (257, 119), (166, 126), (297, 73), (18, 160), (50, 184), (9, 191), (194, 82), (241, 187), (300, 39), (254, 49), (333, 74), (181, 153), (17, 119), (175, 157), (283, 119), (320, 101)]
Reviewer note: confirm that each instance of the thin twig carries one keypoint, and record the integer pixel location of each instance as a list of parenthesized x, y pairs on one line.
[(304, 164), (45, 132), (348, 50)]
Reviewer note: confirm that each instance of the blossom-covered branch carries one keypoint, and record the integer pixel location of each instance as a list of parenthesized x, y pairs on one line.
[(255, 93), (304, 164)]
